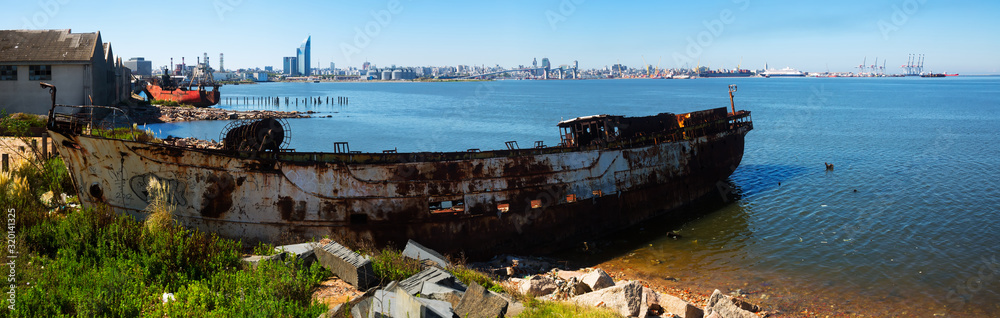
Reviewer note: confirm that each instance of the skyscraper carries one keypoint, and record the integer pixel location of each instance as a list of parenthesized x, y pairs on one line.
[(303, 53), (291, 66)]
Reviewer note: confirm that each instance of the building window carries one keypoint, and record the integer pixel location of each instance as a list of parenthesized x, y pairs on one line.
[(8, 72), (39, 72)]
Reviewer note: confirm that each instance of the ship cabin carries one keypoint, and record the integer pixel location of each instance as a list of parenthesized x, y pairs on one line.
[(604, 129)]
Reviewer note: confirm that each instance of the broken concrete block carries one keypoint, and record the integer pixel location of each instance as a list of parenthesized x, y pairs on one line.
[(363, 308), (724, 306), (382, 304), (303, 251), (346, 264), (393, 301), (481, 303), (255, 260), (538, 285), (442, 293), (418, 252), (434, 275), (435, 308), (625, 299), (597, 279)]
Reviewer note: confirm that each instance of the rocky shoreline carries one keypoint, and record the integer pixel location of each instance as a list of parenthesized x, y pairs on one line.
[(154, 114), (435, 292)]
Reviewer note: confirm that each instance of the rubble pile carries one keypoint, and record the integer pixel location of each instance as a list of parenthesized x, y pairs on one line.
[(169, 114), (435, 292), (192, 143)]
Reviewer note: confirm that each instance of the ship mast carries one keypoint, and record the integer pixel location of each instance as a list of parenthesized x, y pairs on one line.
[(732, 89)]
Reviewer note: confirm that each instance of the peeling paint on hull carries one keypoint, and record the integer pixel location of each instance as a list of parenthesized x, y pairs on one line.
[(512, 200)]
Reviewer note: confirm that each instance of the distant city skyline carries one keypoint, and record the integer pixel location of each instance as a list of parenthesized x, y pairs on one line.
[(954, 36)]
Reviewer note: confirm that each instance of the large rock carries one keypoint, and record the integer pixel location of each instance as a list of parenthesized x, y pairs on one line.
[(538, 285), (597, 279), (724, 306), (669, 304), (418, 252), (346, 264), (481, 303), (432, 275), (625, 299), (566, 275)]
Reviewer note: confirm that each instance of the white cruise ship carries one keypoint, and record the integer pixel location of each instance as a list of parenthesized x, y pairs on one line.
[(788, 71)]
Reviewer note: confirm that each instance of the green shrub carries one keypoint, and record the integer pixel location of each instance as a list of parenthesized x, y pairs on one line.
[(17, 124)]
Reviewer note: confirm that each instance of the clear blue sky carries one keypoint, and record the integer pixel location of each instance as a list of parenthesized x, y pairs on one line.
[(956, 36)]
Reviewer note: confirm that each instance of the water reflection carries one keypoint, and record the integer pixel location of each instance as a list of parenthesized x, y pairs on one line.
[(651, 240)]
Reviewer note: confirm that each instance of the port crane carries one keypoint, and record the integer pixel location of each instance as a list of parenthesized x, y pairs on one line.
[(656, 72)]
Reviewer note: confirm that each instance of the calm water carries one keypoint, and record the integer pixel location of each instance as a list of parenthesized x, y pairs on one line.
[(906, 221)]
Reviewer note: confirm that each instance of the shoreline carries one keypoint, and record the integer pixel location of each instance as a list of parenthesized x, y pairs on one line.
[(156, 114)]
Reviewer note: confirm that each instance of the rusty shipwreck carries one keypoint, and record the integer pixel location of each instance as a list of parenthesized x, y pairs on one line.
[(607, 173)]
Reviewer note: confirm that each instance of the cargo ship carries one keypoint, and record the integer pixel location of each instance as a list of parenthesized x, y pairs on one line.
[(200, 90), (608, 172), (937, 75)]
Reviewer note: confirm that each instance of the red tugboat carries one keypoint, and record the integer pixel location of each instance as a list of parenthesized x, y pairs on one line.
[(186, 91)]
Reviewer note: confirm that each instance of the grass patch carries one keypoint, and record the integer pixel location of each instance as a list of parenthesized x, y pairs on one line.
[(163, 102), (97, 263), (467, 276), (390, 265), (127, 133), (546, 309)]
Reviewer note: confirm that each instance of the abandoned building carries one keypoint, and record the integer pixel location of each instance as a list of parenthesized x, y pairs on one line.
[(82, 65)]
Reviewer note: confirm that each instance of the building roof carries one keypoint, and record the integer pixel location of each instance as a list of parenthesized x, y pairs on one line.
[(47, 46)]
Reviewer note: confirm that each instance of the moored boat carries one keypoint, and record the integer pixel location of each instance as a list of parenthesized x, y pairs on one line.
[(200, 90), (607, 173)]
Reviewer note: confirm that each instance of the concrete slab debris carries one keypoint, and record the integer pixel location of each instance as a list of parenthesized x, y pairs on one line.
[(255, 260), (304, 251), (434, 275), (418, 252), (346, 264)]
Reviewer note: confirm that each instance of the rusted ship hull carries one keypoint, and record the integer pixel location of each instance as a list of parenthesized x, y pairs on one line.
[(479, 203), (193, 97)]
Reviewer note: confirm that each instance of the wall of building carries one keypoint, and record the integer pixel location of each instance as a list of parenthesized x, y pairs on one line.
[(27, 96)]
